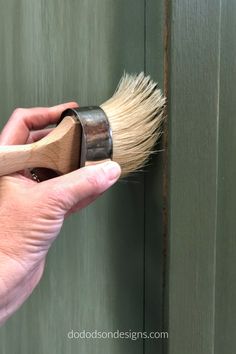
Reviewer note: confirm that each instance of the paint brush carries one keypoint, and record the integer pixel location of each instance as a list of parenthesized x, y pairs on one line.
[(125, 129)]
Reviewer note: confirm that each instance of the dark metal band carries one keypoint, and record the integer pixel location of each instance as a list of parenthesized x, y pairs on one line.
[(96, 140)]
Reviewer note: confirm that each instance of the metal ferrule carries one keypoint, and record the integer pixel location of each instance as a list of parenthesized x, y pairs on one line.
[(96, 139)]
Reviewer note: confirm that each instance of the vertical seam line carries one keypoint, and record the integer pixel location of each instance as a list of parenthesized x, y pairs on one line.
[(217, 172), (165, 275), (144, 187)]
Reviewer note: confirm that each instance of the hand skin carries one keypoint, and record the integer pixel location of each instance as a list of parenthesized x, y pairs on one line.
[(32, 214)]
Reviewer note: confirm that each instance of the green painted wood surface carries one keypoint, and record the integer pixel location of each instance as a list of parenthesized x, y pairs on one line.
[(153, 207), (225, 291), (106, 270), (194, 95), (202, 171), (77, 50)]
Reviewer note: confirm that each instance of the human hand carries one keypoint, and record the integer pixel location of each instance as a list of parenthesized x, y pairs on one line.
[(32, 214)]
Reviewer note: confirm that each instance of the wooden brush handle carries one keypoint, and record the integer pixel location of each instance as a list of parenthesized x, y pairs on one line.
[(59, 151), (15, 158)]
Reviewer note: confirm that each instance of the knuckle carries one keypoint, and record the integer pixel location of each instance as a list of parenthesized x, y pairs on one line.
[(97, 181), (74, 103), (56, 198), (19, 111)]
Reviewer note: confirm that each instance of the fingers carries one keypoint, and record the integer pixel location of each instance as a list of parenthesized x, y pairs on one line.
[(17, 129), (37, 135), (78, 188)]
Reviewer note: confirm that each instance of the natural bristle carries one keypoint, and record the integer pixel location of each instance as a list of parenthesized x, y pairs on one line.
[(135, 113)]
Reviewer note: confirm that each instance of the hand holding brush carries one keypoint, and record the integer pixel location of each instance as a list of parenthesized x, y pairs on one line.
[(124, 129)]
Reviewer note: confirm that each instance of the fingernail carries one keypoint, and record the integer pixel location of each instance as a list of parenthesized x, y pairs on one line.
[(113, 169)]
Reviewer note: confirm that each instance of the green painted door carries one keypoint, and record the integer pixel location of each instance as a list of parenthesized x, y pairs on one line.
[(104, 272), (157, 252)]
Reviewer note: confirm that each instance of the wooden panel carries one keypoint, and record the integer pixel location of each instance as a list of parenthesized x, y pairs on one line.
[(153, 176), (76, 50), (225, 340), (193, 168)]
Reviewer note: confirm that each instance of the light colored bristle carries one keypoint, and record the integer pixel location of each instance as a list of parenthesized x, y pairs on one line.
[(135, 113)]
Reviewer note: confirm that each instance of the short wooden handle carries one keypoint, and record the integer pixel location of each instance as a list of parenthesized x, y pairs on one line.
[(15, 158), (59, 151)]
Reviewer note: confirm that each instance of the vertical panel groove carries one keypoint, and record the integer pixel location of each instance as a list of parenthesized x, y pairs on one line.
[(166, 43), (144, 189), (154, 62), (217, 175)]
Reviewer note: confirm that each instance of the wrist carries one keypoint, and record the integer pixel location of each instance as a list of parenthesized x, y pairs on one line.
[(16, 285)]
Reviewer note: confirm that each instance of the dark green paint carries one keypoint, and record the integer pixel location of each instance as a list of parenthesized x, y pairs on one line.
[(107, 271), (225, 291), (77, 50), (202, 170), (154, 245)]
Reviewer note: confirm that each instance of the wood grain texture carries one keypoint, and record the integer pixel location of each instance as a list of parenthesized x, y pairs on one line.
[(153, 176), (53, 52), (58, 151), (225, 303), (193, 174)]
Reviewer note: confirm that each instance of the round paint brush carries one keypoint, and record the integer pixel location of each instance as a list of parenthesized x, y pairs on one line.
[(125, 129)]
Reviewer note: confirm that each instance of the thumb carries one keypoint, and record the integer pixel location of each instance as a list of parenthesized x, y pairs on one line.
[(67, 191)]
